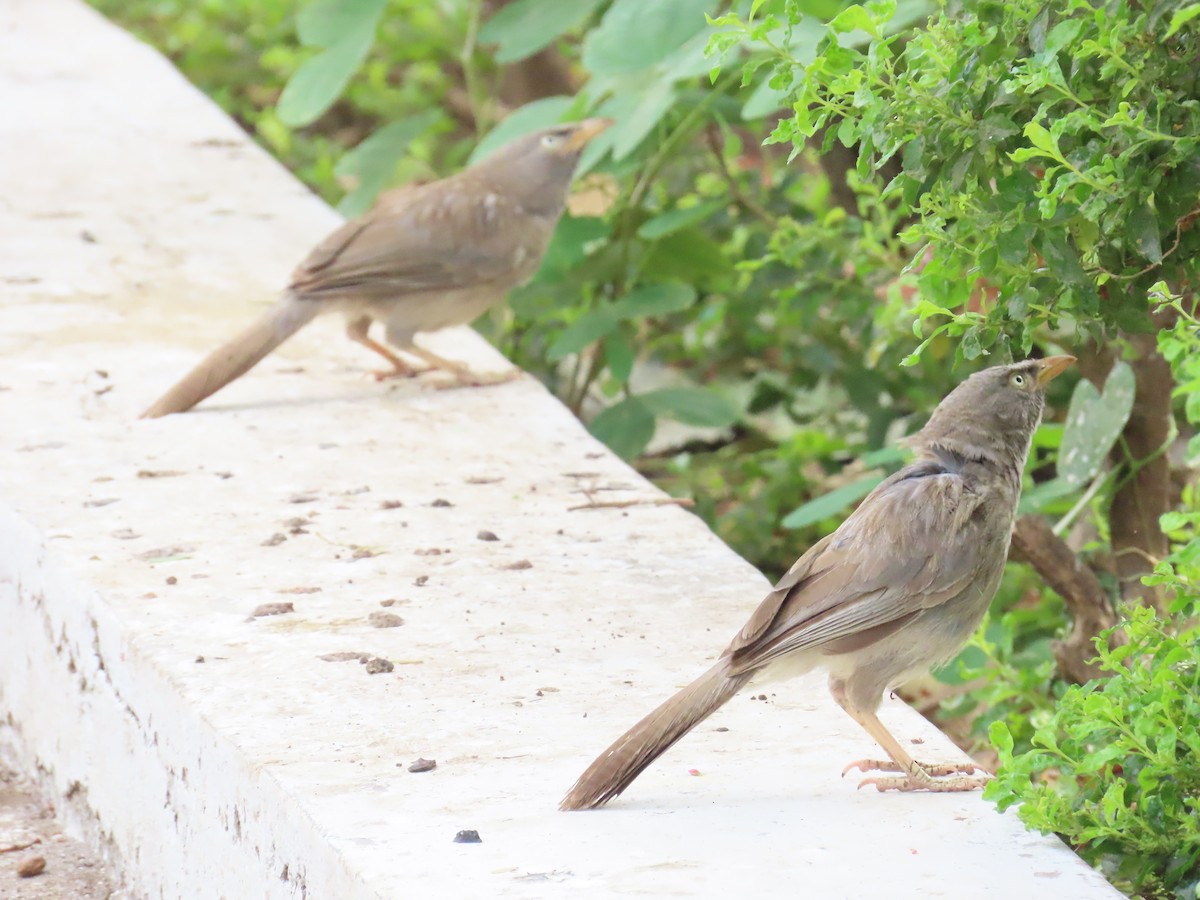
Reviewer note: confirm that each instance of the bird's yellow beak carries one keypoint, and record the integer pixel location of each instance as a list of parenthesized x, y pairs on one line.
[(584, 132), (1051, 367)]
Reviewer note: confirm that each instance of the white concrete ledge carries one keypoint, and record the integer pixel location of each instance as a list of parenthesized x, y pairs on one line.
[(213, 755)]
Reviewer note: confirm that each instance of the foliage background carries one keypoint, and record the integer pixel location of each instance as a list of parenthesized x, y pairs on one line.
[(811, 219)]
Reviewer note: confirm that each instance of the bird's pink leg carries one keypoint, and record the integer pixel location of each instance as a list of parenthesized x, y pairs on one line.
[(463, 376), (357, 330), (916, 777)]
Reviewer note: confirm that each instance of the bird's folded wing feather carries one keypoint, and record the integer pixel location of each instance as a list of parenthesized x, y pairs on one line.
[(907, 547), (428, 238)]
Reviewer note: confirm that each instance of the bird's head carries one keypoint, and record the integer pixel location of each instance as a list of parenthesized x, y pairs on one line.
[(993, 414), (539, 166), (565, 141)]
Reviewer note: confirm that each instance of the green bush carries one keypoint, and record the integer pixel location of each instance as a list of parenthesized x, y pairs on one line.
[(1116, 770)]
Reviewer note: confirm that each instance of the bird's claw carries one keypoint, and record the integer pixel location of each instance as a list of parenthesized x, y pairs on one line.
[(390, 374), (934, 769), (953, 784), (871, 765), (468, 379), (928, 776)]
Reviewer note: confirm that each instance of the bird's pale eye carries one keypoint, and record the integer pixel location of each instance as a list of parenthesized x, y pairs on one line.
[(1018, 380), (551, 140)]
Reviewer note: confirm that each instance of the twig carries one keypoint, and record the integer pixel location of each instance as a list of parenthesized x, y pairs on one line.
[(645, 501), (1138, 551), (467, 59), (15, 847), (1186, 219), (731, 181), (1065, 522)]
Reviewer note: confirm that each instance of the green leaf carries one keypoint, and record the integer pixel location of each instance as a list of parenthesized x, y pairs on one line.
[(1182, 17), (1143, 228), (634, 34), (626, 428), (853, 18), (530, 117), (570, 246), (674, 220), (688, 62), (326, 22), (692, 406), (629, 132), (524, 27), (997, 126), (1001, 739), (374, 160), (618, 356), (831, 504), (1041, 138), (688, 254), (1094, 422), (1044, 495), (654, 300), (585, 330), (647, 300), (315, 86), (1062, 34), (764, 100)]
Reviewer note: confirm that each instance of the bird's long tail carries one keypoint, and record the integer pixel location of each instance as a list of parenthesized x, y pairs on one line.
[(236, 357), (617, 767)]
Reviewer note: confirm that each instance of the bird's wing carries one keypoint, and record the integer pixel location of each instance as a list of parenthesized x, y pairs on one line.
[(434, 237), (910, 545)]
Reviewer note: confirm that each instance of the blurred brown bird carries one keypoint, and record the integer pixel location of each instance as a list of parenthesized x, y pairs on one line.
[(899, 587), (425, 257)]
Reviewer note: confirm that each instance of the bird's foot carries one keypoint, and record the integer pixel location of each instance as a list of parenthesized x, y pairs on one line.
[(935, 777), (465, 378), (397, 372), (953, 784), (934, 769)]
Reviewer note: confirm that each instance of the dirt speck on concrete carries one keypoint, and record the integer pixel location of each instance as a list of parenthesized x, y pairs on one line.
[(32, 867), (378, 664), (384, 620), (273, 609)]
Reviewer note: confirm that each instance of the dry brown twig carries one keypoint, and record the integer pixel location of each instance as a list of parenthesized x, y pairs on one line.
[(18, 847)]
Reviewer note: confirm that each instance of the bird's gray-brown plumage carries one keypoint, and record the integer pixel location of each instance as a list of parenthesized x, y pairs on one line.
[(899, 587), (425, 257)]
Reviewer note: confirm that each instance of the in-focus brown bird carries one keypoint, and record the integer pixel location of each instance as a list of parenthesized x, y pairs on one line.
[(424, 258), (899, 587)]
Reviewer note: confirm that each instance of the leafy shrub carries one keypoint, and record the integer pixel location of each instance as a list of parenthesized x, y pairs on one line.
[(1117, 768)]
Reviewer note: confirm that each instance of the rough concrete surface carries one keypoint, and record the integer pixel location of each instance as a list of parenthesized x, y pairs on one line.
[(209, 752)]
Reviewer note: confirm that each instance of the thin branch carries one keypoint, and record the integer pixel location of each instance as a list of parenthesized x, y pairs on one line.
[(467, 59), (731, 181), (1186, 219), (1065, 522)]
